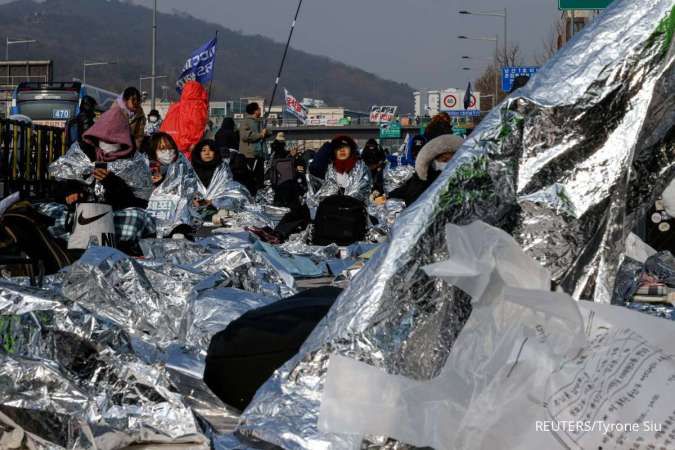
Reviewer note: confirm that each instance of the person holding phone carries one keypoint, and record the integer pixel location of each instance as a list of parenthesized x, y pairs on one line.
[(111, 140), (119, 177), (163, 153)]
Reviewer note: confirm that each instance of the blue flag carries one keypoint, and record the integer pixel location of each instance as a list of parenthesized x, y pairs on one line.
[(467, 97), (199, 66)]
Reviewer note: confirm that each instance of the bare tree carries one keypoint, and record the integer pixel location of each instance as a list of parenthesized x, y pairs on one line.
[(555, 40), (511, 58), (491, 76)]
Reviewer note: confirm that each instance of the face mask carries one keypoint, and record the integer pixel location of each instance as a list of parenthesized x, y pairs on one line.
[(166, 156), (107, 147), (153, 119), (438, 165)]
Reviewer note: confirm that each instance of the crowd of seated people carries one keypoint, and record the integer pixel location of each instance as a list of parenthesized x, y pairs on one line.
[(330, 188)]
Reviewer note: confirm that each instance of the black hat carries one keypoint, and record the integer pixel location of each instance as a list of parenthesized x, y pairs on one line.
[(343, 141), (372, 155)]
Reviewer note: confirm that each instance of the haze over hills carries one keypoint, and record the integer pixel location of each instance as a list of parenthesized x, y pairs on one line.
[(70, 31)]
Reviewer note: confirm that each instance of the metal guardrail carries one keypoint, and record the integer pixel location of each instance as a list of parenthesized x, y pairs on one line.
[(26, 151), (354, 123)]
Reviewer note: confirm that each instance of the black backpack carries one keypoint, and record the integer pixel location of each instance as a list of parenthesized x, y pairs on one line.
[(24, 231), (282, 170), (340, 219), (244, 355)]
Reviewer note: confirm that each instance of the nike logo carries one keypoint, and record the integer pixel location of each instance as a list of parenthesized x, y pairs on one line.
[(81, 220)]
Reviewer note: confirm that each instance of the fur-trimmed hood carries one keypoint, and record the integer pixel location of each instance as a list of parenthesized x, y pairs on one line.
[(434, 148)]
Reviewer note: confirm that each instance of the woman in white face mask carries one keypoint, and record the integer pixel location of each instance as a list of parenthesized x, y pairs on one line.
[(162, 155), (431, 161)]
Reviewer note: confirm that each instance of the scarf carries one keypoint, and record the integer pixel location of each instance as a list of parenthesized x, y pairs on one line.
[(205, 170), (345, 165)]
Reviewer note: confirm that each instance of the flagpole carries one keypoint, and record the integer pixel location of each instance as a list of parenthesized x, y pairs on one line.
[(212, 75), (283, 61)]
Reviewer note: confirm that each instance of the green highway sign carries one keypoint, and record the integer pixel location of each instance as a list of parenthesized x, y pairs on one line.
[(583, 4), (390, 130)]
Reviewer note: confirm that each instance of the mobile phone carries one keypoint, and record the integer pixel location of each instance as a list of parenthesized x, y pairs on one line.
[(155, 170), (101, 165)]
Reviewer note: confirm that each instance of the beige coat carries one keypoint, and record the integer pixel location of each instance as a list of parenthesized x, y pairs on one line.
[(251, 138)]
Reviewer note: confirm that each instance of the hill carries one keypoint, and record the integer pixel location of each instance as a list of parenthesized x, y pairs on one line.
[(70, 31)]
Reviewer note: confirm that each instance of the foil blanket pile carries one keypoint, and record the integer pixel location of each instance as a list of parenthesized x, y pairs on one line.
[(567, 165), (110, 352)]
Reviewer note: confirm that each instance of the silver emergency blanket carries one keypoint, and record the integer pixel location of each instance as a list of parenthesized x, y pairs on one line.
[(386, 214), (112, 354), (75, 165), (171, 202), (223, 191), (395, 177), (551, 166), (72, 380), (358, 186), (215, 307), (265, 196)]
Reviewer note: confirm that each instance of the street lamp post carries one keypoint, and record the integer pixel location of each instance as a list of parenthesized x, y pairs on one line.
[(503, 15), (16, 41), (86, 64), (492, 97), (154, 54), (152, 79), (496, 41)]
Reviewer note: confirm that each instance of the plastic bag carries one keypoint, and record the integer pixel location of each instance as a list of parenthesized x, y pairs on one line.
[(573, 380)]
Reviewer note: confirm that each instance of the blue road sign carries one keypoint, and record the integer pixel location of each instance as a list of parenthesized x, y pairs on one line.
[(464, 113), (510, 73)]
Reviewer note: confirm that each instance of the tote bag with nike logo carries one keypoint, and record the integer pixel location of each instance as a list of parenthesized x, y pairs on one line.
[(93, 226)]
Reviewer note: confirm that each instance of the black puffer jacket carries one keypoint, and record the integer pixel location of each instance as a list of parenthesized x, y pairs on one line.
[(412, 189), (425, 172), (227, 136), (83, 121)]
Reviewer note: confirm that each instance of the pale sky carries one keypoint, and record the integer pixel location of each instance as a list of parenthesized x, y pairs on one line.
[(412, 41)]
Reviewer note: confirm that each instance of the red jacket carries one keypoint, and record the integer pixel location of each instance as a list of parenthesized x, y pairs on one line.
[(186, 120)]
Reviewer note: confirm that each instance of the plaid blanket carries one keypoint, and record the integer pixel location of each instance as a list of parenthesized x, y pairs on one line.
[(131, 224)]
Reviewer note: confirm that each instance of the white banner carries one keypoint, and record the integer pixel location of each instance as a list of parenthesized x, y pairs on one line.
[(295, 108), (383, 114)]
